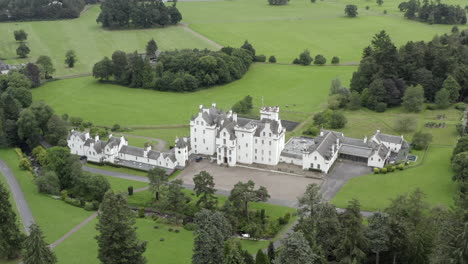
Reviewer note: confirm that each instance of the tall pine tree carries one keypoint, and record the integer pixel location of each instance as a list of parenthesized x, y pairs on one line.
[(10, 235), (117, 239), (36, 249)]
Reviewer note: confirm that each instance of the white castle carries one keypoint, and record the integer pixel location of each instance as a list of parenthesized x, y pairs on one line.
[(231, 140)]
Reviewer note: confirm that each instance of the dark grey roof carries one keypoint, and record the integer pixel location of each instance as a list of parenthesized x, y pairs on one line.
[(139, 152), (356, 151), (229, 126), (82, 135), (324, 145), (153, 154), (382, 151), (181, 143), (274, 126), (388, 138), (289, 125), (338, 134), (99, 146), (89, 141), (113, 141), (171, 156)]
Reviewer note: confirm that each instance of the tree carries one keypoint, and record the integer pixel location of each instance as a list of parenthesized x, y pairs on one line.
[(48, 182), (353, 240), (442, 99), (103, 69), (295, 250), (46, 66), (335, 60), (37, 250), (91, 187), (175, 198), (151, 47), (272, 59), (23, 50), (117, 238), (462, 146), (120, 64), (70, 58), (175, 14), (158, 178), (66, 166), (244, 193), (337, 120), (271, 252), (20, 35), (114, 14), (460, 167), (377, 234), (57, 130), (379, 2), (33, 72), (405, 124), (249, 47), (413, 100), (204, 189), (354, 101), (233, 253), (421, 140), (351, 10), (452, 86), (42, 112), (305, 58), (320, 60), (28, 128), (11, 237), (261, 258), (213, 230)]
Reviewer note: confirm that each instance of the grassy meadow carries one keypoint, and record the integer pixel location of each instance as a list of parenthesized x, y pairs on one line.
[(285, 31), (90, 42)]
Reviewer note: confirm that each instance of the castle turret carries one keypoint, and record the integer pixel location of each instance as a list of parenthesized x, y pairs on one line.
[(269, 112)]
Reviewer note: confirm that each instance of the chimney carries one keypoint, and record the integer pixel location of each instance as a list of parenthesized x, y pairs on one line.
[(200, 107), (110, 135), (365, 139), (213, 104), (378, 131), (234, 117), (96, 138)]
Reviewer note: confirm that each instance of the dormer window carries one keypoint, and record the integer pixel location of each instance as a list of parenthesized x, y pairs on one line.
[(264, 134), (224, 133)]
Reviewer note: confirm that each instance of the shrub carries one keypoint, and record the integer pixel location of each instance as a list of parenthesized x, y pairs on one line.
[(272, 59), (82, 202), (337, 120), (130, 190), (170, 229), (431, 107), (385, 12), (141, 212), (161, 239), (320, 60), (64, 194), (48, 183), (460, 106), (335, 60), (89, 206), (190, 227), (367, 7), (156, 227), (95, 204), (260, 58), (421, 140), (376, 170), (401, 167), (381, 107), (115, 127), (278, 2), (393, 168), (24, 164), (296, 61), (311, 131), (177, 231), (287, 217), (383, 170)]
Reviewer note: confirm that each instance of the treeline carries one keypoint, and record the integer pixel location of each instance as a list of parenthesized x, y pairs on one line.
[(139, 14), (14, 10), (178, 71), (385, 72), (433, 13)]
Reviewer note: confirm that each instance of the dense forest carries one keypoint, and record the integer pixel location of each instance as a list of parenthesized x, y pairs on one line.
[(14, 10), (178, 71), (433, 13), (139, 14), (385, 71)]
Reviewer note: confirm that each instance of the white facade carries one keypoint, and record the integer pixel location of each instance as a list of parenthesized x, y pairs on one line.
[(219, 134)]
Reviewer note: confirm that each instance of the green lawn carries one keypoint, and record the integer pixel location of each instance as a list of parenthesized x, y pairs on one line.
[(121, 185), (139, 142), (55, 217), (121, 170), (167, 134), (285, 31), (283, 85), (90, 42), (374, 191)]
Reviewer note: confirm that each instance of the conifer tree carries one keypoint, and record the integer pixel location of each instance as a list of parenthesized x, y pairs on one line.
[(151, 47), (36, 249), (452, 86), (261, 258), (271, 252), (117, 239), (10, 235)]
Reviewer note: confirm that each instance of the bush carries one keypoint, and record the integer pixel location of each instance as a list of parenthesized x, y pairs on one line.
[(64, 194), (272, 59), (130, 190), (337, 120), (405, 124), (161, 239), (48, 183), (335, 60), (296, 61), (156, 227), (260, 58), (190, 227), (141, 212), (376, 170), (170, 229), (460, 106), (381, 107), (278, 2), (95, 205), (383, 170), (287, 217), (401, 167), (89, 206), (25, 164), (311, 131), (320, 60), (367, 7), (431, 107), (385, 12), (177, 231), (115, 127), (393, 168), (73, 202), (421, 140)]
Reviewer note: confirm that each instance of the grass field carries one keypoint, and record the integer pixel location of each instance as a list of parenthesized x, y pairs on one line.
[(283, 85), (374, 191), (90, 42), (285, 31)]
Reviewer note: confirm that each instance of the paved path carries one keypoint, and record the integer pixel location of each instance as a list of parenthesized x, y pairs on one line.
[(18, 196), (74, 229), (161, 146)]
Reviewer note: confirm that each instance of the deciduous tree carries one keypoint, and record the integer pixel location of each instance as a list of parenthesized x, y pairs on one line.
[(158, 178), (413, 100), (70, 58), (46, 65), (204, 189), (151, 47), (244, 193), (23, 50)]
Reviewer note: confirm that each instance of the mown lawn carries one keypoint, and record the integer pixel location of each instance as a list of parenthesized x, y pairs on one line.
[(55, 217), (121, 185), (90, 42), (139, 142), (294, 88), (375, 191), (285, 31)]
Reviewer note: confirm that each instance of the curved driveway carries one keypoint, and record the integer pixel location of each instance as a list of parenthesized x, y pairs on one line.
[(18, 196)]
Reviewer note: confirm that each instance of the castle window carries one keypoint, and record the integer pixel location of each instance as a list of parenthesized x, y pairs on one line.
[(270, 134), (202, 123), (264, 133), (230, 158), (224, 133), (203, 131), (219, 157), (195, 139), (255, 141), (239, 146), (255, 157), (224, 141), (194, 129), (207, 148), (269, 160), (230, 152), (263, 141), (246, 155), (242, 134), (318, 166), (315, 157), (269, 142), (269, 152), (246, 145), (255, 151), (179, 151), (197, 122), (203, 140)]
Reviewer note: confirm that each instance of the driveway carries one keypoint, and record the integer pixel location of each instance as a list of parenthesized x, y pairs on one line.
[(18, 196), (283, 188), (342, 171)]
